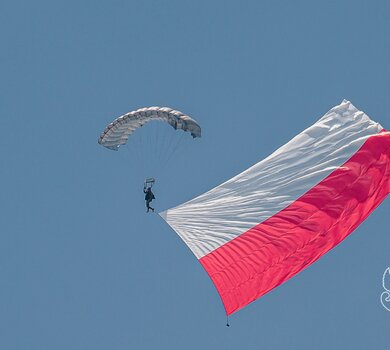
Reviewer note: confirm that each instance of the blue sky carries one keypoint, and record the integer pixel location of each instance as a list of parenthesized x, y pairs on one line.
[(82, 266)]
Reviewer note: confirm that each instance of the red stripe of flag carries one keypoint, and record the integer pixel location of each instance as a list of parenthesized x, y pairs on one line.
[(270, 253)]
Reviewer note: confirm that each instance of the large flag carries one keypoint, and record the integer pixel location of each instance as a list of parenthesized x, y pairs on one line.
[(265, 225)]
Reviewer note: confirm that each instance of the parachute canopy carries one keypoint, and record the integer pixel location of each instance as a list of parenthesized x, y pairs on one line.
[(118, 132), (265, 225)]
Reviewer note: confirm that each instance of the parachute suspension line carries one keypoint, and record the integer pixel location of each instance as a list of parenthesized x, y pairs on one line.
[(149, 152), (175, 145), (146, 148), (167, 149), (162, 145), (179, 142), (153, 146), (175, 148), (137, 145), (160, 136), (156, 141), (152, 154)]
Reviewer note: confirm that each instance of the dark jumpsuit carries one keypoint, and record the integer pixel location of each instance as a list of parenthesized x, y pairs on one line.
[(149, 196)]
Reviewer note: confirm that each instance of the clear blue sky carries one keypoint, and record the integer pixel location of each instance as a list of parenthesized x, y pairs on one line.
[(82, 266)]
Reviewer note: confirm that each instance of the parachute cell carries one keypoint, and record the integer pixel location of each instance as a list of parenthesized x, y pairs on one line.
[(265, 225), (118, 132)]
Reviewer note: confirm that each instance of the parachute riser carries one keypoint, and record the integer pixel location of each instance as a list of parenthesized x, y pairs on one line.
[(149, 182)]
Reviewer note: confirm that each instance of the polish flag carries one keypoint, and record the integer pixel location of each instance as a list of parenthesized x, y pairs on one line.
[(265, 225)]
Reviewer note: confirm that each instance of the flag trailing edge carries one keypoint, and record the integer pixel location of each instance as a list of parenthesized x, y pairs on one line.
[(268, 223)]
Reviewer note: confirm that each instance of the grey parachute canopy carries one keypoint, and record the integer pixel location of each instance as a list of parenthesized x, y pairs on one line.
[(117, 133)]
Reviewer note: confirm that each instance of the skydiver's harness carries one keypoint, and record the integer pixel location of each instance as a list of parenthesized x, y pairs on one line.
[(148, 184)]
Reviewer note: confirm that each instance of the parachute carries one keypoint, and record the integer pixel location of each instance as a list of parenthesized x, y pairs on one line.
[(117, 133), (265, 225), (152, 148)]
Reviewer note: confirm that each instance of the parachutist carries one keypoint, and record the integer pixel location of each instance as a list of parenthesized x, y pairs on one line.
[(149, 196)]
